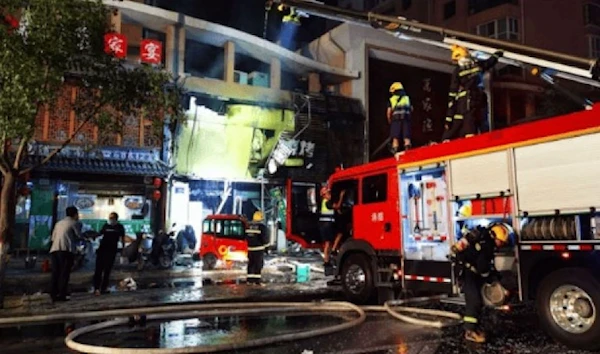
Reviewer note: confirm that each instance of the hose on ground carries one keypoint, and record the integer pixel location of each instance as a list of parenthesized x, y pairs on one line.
[(393, 307), (223, 310)]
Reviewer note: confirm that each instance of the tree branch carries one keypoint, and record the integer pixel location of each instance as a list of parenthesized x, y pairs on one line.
[(65, 143), (20, 150)]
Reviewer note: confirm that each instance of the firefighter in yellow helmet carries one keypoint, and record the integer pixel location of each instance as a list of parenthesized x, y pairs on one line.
[(292, 17), (399, 112), (256, 236), (466, 98), (473, 259)]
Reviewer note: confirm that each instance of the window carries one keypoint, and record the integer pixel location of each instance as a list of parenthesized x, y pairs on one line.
[(506, 28), (476, 6), (594, 46), (207, 226), (449, 9), (350, 196), (591, 14), (374, 189), (233, 229)]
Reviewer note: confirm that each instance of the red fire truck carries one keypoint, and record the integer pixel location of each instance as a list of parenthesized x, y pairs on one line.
[(542, 178)]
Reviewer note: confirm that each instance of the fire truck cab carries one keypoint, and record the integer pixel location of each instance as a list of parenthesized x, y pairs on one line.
[(541, 178)]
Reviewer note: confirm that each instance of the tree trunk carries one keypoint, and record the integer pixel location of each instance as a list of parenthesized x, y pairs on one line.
[(7, 218)]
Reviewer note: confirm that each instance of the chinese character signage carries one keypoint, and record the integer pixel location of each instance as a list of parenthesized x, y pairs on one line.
[(151, 51), (302, 148), (427, 106), (115, 44)]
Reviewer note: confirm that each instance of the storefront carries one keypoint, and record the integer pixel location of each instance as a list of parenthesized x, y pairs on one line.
[(128, 181)]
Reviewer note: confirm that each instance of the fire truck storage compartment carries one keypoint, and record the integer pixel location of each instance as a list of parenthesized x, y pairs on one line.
[(424, 215), (561, 175), (481, 174)]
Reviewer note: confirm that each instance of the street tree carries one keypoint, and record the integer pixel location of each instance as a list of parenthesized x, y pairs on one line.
[(45, 45)]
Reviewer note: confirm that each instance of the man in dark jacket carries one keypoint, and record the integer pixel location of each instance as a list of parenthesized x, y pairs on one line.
[(473, 255), (112, 232), (256, 235)]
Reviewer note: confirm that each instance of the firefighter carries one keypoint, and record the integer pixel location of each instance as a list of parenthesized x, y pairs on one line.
[(256, 236), (398, 116), (473, 258), (326, 219), (466, 98), (292, 17)]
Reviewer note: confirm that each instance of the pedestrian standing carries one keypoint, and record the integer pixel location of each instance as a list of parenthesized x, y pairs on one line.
[(62, 252), (256, 235), (111, 233)]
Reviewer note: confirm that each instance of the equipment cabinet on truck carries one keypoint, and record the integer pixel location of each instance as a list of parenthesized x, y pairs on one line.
[(541, 178)]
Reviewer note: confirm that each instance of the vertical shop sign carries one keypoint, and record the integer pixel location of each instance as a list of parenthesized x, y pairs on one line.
[(115, 44), (40, 221), (427, 106), (151, 51)]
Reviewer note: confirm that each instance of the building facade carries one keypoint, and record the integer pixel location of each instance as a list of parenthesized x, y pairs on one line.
[(570, 27)]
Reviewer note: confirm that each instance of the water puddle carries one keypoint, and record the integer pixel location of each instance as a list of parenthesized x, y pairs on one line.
[(209, 331)]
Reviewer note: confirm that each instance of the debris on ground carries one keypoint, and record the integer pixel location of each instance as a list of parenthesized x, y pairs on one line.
[(127, 284)]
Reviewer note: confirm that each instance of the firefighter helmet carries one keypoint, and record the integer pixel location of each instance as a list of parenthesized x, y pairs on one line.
[(459, 52), (501, 232), (258, 216), (396, 86), (465, 210)]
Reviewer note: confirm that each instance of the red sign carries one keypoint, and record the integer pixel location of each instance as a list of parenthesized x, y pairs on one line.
[(151, 51), (115, 44)]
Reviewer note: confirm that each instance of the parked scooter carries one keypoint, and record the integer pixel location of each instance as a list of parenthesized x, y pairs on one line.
[(83, 248), (165, 248)]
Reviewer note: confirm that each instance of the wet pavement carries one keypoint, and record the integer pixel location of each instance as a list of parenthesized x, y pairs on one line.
[(509, 334)]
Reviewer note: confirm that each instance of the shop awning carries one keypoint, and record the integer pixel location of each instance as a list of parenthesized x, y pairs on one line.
[(99, 166)]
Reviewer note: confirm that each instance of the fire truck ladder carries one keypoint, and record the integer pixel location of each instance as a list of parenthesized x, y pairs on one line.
[(544, 63)]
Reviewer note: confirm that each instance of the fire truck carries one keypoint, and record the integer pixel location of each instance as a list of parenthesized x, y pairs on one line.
[(542, 178)]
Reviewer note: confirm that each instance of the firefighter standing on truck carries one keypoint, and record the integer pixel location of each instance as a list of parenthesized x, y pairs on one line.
[(473, 258), (326, 226), (256, 236), (398, 116), (466, 98)]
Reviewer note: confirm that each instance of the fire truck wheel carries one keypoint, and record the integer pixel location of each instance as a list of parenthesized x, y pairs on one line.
[(357, 279), (568, 302), (209, 261)]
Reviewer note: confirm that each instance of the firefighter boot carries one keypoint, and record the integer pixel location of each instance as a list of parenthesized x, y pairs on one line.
[(475, 336)]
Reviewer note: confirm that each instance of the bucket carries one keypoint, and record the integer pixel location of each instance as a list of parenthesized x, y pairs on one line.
[(302, 273), (493, 294)]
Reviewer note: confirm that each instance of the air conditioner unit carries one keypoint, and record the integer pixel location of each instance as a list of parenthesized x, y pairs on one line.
[(257, 78), (240, 77)]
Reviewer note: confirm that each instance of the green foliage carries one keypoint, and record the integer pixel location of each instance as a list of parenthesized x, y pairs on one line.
[(63, 41)]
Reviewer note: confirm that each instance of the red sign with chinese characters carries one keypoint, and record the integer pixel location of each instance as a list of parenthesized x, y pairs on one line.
[(151, 51), (115, 44)]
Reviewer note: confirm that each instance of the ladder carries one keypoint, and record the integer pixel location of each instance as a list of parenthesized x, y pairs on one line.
[(544, 63)]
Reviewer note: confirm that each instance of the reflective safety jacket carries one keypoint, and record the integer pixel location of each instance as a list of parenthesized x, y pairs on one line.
[(401, 108), (466, 85), (326, 212), (256, 236)]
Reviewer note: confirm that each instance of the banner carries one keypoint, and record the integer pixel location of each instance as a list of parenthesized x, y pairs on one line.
[(40, 221)]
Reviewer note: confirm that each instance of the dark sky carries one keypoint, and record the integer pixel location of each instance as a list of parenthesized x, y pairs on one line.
[(245, 15)]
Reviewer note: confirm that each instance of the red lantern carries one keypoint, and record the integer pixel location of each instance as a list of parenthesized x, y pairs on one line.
[(157, 182), (151, 51), (156, 195), (115, 44)]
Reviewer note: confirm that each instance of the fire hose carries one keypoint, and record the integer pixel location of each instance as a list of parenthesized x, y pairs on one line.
[(394, 308)]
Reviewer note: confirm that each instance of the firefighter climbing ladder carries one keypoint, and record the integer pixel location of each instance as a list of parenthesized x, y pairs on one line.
[(582, 70)]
